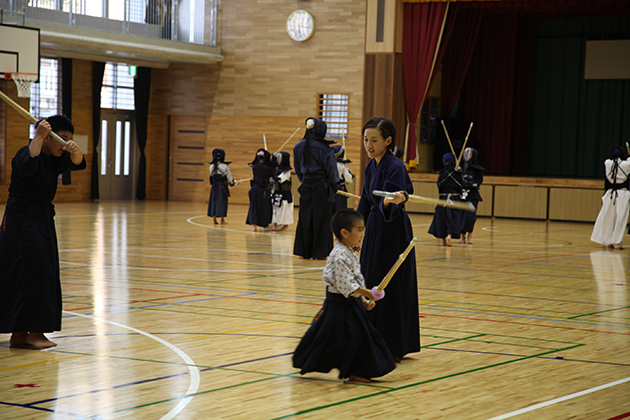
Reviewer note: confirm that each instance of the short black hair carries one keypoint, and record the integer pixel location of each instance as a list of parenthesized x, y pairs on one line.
[(385, 126), (344, 219), (60, 123)]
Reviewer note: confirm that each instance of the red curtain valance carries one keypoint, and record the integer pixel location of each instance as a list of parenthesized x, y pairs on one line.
[(440, 1)]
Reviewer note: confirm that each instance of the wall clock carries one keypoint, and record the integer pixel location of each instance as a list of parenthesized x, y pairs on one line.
[(300, 25)]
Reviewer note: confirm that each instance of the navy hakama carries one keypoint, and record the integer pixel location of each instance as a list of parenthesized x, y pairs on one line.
[(260, 207), (30, 286), (219, 193), (341, 337), (313, 238), (387, 235), (316, 169), (446, 220), (472, 177)]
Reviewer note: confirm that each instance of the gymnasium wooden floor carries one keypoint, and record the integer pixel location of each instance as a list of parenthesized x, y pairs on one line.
[(167, 316)]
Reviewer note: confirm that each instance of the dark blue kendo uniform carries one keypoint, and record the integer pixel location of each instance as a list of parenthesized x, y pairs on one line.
[(472, 177), (446, 220), (387, 235), (260, 210), (316, 169), (219, 192), (30, 286)]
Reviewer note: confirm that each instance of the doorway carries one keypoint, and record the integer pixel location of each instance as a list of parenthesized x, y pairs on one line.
[(117, 163)]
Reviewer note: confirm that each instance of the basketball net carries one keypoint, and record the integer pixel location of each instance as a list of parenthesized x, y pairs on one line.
[(23, 81)]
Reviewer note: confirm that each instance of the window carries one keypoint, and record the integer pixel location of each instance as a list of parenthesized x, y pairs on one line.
[(333, 108), (46, 95), (117, 91), (112, 9)]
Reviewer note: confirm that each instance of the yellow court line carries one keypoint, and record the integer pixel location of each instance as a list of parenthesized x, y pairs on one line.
[(502, 291), (43, 362), (234, 332)]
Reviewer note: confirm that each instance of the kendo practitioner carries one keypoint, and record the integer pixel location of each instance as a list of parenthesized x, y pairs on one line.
[(472, 177), (345, 177), (446, 220), (220, 178), (30, 286), (341, 336), (388, 232), (282, 197), (316, 169), (612, 218), (260, 212)]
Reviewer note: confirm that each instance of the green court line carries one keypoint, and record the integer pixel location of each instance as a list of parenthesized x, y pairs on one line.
[(223, 316), (601, 312), (500, 335), (186, 305), (108, 356), (310, 410), (214, 390), (384, 389), (464, 304)]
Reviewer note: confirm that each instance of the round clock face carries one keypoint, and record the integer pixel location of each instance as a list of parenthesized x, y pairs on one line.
[(300, 25)]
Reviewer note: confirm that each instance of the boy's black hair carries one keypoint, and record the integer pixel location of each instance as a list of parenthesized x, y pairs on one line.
[(60, 123), (344, 219)]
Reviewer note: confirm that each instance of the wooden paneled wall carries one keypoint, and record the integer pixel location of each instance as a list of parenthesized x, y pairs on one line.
[(267, 84), (576, 200)]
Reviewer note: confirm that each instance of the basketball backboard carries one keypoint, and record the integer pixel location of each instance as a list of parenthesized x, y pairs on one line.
[(19, 50)]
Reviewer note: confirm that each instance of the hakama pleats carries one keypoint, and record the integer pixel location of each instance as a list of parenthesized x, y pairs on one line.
[(468, 218), (30, 287), (341, 337), (446, 221), (218, 202), (283, 214), (260, 212), (612, 219), (313, 238)]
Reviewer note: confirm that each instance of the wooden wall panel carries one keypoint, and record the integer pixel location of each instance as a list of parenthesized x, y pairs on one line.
[(430, 190), (82, 120), (487, 194), (156, 153), (424, 189), (187, 154), (520, 202), (379, 85), (581, 205), (390, 38)]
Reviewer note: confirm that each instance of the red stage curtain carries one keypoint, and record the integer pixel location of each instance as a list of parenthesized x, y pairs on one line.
[(489, 91), (458, 54), (422, 27)]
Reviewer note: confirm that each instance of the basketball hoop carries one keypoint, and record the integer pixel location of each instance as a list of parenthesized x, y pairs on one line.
[(23, 81)]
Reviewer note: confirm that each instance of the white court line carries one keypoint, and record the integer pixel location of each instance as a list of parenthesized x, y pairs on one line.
[(223, 229), (194, 372), (557, 400)]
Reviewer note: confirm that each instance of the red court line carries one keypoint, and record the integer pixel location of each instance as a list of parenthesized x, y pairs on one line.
[(281, 301), (526, 324), (168, 297), (620, 416)]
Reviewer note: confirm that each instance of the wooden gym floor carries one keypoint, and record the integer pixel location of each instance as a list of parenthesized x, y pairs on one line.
[(167, 316)]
